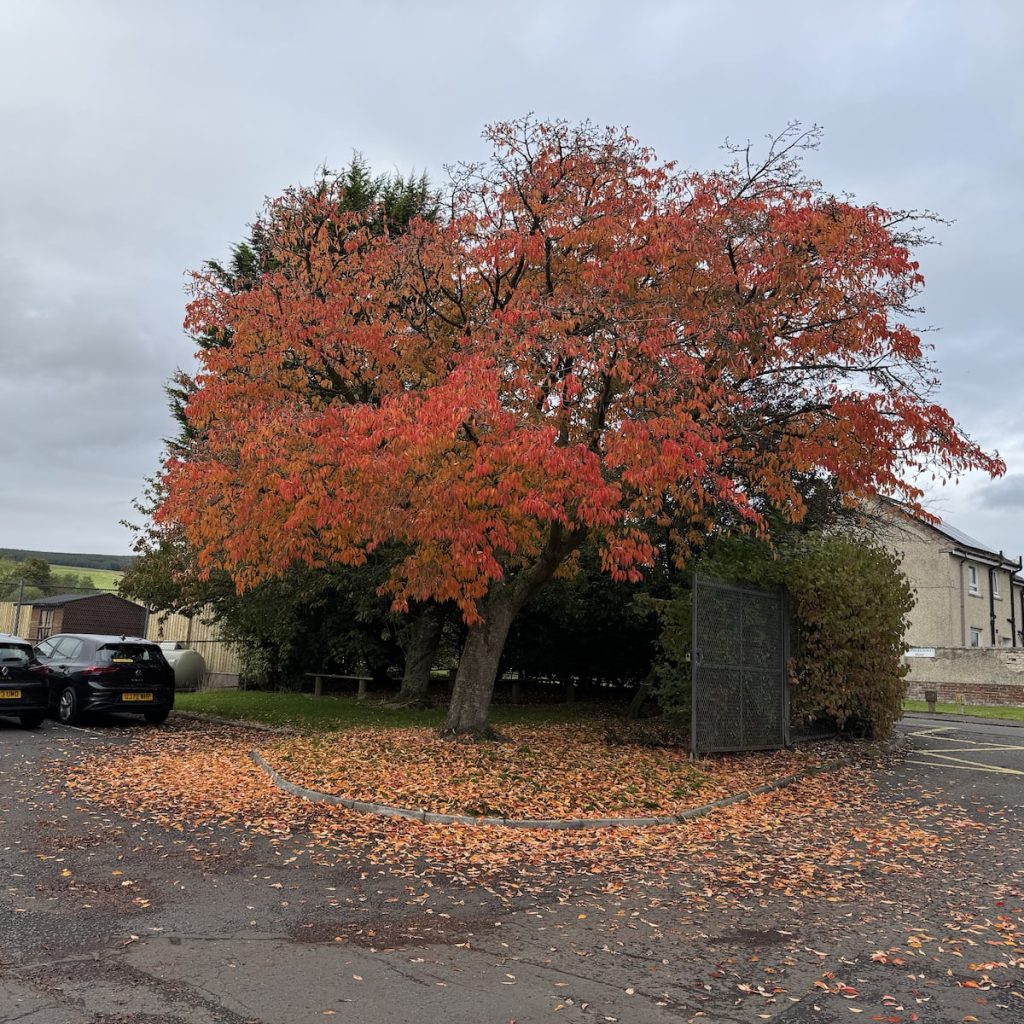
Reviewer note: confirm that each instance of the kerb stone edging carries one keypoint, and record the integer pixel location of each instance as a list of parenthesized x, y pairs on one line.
[(559, 824)]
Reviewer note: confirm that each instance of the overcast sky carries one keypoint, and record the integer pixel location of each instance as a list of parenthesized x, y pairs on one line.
[(139, 139)]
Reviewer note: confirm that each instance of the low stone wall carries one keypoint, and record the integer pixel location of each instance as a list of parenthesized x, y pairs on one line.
[(981, 675)]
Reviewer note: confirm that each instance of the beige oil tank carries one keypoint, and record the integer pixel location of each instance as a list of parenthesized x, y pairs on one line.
[(189, 666)]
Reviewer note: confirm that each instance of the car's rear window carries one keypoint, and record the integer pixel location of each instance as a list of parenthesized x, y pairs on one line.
[(130, 654), (17, 654)]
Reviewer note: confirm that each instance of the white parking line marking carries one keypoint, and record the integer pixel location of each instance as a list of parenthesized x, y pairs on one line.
[(965, 767), (980, 748)]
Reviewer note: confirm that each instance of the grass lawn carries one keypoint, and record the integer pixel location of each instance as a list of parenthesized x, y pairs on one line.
[(978, 710), (305, 711), (105, 579)]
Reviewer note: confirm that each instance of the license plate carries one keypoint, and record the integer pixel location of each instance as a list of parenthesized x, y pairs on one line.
[(136, 696), (10, 694)]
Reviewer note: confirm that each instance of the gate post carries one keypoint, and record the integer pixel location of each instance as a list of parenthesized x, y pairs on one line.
[(695, 657), (787, 621)]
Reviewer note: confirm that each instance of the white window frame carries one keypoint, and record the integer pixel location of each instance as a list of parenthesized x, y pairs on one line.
[(975, 637), (995, 584), (972, 580)]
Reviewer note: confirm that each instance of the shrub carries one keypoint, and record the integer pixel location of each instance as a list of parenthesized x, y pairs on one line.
[(850, 604)]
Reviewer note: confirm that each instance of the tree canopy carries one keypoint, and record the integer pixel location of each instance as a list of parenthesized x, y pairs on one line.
[(586, 343)]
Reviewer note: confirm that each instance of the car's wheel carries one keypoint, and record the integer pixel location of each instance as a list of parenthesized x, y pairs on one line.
[(67, 706), (157, 716), (33, 719)]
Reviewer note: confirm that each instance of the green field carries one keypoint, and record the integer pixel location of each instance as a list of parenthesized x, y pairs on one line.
[(105, 579)]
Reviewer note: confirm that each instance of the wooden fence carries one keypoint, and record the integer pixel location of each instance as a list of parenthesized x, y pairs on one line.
[(222, 661)]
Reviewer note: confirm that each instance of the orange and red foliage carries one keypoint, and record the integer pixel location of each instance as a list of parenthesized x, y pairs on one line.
[(589, 343)]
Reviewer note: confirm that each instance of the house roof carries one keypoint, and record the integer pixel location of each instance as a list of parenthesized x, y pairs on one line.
[(965, 540), (962, 540), (57, 599), (61, 599)]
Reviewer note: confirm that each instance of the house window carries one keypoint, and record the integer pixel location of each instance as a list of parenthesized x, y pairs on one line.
[(975, 637), (972, 579), (995, 584)]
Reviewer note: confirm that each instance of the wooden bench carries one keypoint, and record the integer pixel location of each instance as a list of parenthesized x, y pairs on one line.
[(319, 677)]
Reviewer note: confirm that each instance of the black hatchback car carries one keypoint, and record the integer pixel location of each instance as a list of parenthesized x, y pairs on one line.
[(23, 692), (90, 672)]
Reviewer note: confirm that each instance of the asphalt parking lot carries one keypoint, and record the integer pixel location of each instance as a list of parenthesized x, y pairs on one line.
[(106, 918), (975, 758)]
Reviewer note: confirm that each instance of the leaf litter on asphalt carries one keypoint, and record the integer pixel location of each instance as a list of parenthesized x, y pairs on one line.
[(831, 837), (830, 825)]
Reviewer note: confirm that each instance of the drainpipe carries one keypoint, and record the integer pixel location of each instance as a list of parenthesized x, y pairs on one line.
[(1013, 615), (963, 610), (992, 605), (1011, 573)]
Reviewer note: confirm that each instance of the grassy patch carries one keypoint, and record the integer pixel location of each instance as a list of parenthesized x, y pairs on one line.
[(304, 711), (105, 579), (977, 710)]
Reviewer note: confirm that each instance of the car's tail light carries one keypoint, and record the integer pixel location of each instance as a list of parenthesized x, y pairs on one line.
[(98, 670)]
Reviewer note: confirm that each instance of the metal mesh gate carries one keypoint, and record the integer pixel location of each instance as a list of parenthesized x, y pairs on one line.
[(739, 654)]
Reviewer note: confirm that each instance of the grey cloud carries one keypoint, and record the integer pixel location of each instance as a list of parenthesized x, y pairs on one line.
[(139, 139), (1005, 494)]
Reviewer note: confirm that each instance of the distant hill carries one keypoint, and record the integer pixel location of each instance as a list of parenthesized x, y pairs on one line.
[(116, 563)]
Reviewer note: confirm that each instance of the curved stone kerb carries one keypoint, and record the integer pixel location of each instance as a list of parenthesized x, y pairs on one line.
[(554, 824)]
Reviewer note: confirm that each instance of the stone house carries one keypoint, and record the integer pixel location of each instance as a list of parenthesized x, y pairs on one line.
[(966, 633)]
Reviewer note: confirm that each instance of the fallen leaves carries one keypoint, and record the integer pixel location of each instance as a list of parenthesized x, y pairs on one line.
[(542, 772), (830, 837), (829, 824)]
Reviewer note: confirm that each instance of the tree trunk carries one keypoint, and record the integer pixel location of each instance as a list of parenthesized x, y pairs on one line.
[(643, 693), (425, 632), (481, 654), (478, 668)]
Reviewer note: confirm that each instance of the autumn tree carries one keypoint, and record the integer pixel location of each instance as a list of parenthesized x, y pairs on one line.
[(589, 344)]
